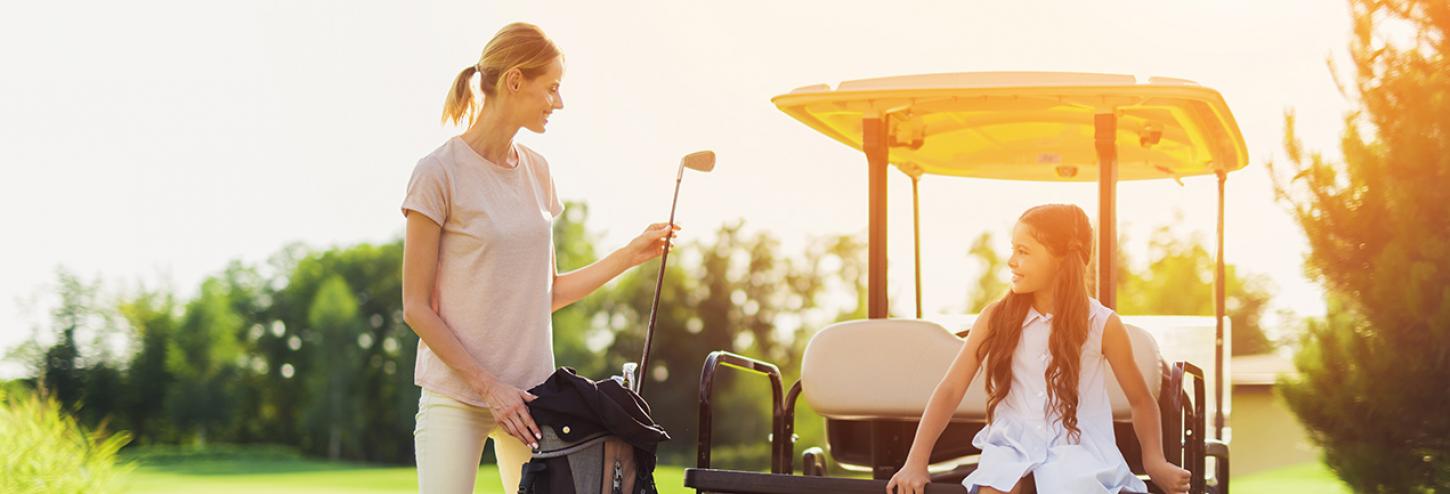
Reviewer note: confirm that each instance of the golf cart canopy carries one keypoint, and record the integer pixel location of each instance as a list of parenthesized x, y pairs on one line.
[(1030, 125)]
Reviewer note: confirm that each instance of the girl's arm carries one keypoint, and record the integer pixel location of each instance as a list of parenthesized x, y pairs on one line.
[(948, 393), (577, 284), (1147, 423)]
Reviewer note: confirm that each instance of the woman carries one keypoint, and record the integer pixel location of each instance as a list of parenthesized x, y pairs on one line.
[(479, 279)]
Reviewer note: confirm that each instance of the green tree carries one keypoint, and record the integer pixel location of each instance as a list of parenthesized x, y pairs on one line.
[(1179, 281), (203, 356), (150, 314), (79, 368), (579, 338), (62, 368), (332, 414), (1372, 387), (386, 346)]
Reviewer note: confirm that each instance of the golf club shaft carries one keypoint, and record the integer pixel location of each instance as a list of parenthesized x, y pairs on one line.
[(654, 305)]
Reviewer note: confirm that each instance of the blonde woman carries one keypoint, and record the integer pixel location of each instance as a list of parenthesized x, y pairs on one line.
[(479, 278)]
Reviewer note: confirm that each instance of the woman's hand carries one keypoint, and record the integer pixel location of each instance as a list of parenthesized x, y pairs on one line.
[(507, 404), (911, 479), (1169, 477), (649, 244)]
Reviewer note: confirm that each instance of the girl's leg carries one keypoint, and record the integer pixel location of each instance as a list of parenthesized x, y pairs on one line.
[(1025, 485), (448, 443)]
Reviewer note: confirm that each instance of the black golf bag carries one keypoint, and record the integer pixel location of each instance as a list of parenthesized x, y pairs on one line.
[(598, 438)]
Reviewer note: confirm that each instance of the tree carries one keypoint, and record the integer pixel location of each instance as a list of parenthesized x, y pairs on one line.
[(150, 315), (334, 401), (1372, 387), (1179, 281), (579, 339), (203, 357)]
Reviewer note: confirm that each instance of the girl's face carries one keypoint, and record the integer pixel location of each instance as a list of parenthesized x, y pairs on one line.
[(536, 98), (1033, 266)]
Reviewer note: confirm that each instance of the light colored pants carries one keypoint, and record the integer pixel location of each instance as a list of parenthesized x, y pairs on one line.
[(448, 443)]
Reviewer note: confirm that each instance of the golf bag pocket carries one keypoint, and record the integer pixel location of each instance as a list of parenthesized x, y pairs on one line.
[(598, 463)]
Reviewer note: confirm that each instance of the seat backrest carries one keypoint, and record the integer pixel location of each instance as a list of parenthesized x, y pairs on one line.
[(888, 368)]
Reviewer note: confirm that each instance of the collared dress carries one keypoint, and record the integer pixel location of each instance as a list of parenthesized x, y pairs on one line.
[(1025, 435)]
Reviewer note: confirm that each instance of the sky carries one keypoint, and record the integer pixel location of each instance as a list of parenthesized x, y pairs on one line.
[(151, 142)]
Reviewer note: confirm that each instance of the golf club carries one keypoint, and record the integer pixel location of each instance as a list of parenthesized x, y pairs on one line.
[(701, 161)]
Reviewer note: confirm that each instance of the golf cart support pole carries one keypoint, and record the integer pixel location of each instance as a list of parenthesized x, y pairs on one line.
[(1218, 309), (1105, 130), (916, 234), (873, 138)]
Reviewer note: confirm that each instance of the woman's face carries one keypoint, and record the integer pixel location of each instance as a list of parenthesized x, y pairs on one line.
[(1033, 266), (536, 98)]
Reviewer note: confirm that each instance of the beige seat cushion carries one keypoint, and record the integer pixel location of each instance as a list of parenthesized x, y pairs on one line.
[(887, 368)]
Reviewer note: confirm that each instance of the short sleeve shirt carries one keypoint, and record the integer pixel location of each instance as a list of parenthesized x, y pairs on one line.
[(495, 263)]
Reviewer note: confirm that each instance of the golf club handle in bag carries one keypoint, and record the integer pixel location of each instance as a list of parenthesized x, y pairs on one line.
[(643, 369)]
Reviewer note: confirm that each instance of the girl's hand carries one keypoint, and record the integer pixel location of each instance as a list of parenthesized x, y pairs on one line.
[(911, 479), (650, 244), (507, 404), (1169, 477)]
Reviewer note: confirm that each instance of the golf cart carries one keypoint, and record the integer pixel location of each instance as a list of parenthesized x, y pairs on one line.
[(870, 379)]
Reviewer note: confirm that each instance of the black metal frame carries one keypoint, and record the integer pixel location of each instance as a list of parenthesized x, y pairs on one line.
[(779, 432), (1184, 421)]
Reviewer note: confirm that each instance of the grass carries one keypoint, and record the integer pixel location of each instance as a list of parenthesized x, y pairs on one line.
[(1305, 478), (282, 473), (277, 471)]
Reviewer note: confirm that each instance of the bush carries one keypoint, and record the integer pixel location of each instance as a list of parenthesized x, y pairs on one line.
[(46, 451)]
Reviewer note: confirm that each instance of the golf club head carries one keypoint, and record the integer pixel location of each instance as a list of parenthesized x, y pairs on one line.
[(702, 161)]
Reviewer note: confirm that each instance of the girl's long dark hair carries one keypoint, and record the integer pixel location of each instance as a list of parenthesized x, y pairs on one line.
[(1065, 231)]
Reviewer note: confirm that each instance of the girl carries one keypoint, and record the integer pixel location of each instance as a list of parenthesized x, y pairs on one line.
[(1046, 346), (479, 280)]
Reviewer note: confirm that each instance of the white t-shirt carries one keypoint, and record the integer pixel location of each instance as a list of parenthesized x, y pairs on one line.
[(495, 264)]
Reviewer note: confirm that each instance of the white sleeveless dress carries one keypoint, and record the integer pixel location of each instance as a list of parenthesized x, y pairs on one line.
[(1022, 438)]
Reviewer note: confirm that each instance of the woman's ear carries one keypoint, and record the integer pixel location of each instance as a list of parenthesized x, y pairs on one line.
[(513, 79)]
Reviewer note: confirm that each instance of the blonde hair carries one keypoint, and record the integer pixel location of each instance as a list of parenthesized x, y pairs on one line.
[(519, 45)]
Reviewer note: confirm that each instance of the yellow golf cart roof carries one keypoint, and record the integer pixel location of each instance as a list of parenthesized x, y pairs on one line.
[(1030, 125)]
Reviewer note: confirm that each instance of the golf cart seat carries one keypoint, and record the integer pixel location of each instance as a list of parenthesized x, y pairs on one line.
[(858, 373), (887, 369), (871, 379)]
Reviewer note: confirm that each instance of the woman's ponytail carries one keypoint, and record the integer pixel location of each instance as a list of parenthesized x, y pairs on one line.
[(459, 104)]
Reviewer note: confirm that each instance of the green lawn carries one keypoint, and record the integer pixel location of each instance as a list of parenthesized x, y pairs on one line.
[(1307, 478), (283, 475)]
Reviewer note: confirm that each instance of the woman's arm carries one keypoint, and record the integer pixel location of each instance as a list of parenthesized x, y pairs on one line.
[(1147, 423), (572, 286), (913, 477), (420, 273)]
